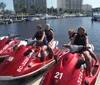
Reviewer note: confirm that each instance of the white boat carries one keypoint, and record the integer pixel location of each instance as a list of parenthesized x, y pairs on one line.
[(96, 17)]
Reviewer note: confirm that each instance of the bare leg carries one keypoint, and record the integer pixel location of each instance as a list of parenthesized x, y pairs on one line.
[(42, 52), (88, 60), (93, 55), (51, 51)]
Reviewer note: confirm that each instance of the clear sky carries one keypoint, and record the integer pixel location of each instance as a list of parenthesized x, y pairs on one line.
[(94, 3), (52, 3), (9, 4)]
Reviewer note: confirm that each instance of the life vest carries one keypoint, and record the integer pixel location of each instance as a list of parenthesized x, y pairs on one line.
[(49, 34), (39, 35), (80, 40)]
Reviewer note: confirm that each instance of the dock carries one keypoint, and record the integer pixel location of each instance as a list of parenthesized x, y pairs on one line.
[(98, 80)]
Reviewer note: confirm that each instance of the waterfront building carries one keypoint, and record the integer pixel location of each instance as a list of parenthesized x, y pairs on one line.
[(87, 8), (28, 5), (70, 5)]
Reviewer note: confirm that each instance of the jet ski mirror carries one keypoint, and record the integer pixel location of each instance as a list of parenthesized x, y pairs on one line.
[(32, 43), (29, 39), (76, 48)]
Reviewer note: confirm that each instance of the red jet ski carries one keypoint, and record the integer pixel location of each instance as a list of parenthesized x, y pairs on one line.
[(8, 44), (71, 69), (26, 61)]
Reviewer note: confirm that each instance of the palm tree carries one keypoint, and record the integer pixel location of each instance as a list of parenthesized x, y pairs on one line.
[(43, 10), (24, 10), (17, 8), (2, 6), (60, 10), (21, 6), (33, 9)]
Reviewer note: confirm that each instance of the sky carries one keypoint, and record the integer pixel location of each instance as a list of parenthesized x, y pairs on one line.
[(51, 3), (9, 4), (94, 3)]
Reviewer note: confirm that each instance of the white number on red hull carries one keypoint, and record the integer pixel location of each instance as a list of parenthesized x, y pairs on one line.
[(58, 75)]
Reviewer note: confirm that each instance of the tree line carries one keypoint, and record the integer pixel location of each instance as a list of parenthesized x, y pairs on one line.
[(21, 8)]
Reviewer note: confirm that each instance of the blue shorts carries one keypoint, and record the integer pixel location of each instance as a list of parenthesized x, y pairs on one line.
[(45, 43)]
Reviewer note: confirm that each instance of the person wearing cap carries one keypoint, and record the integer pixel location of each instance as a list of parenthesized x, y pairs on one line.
[(42, 40), (82, 39)]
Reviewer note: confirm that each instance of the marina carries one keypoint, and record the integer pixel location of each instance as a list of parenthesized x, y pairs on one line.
[(60, 28), (27, 59), (23, 18)]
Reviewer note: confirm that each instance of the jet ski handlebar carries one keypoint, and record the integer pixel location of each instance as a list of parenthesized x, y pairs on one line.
[(30, 41), (13, 35), (76, 48)]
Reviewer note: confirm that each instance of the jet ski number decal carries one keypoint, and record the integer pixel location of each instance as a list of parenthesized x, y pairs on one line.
[(58, 75), (80, 77), (23, 64), (6, 47)]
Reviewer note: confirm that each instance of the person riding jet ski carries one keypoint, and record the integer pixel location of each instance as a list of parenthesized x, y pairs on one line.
[(50, 37), (42, 40), (82, 39)]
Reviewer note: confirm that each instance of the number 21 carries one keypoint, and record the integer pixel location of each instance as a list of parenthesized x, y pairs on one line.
[(58, 75)]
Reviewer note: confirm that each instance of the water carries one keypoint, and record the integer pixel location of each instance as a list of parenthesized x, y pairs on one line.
[(60, 28), (25, 29)]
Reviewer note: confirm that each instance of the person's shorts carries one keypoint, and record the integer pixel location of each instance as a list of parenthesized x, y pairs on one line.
[(42, 43)]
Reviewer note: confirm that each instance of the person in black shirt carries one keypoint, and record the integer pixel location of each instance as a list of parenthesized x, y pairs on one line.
[(40, 36), (42, 40), (49, 34), (82, 39)]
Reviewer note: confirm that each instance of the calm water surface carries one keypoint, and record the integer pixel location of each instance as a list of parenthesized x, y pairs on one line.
[(60, 28)]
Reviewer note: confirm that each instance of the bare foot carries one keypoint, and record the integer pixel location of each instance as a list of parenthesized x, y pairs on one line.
[(97, 63), (91, 74)]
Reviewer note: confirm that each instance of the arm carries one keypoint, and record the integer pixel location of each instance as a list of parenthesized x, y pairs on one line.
[(34, 36), (69, 43), (52, 37), (87, 41), (73, 40), (43, 35)]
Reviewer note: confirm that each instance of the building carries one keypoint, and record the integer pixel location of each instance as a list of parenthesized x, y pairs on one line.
[(28, 5), (87, 8), (71, 5)]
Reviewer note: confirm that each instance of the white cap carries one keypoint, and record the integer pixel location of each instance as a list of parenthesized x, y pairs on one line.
[(82, 28)]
